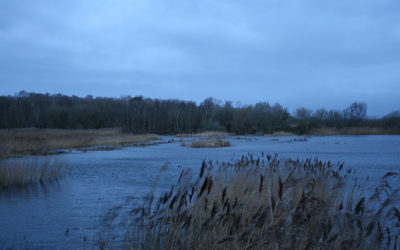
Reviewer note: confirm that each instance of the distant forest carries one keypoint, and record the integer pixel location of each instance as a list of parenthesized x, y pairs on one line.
[(145, 115)]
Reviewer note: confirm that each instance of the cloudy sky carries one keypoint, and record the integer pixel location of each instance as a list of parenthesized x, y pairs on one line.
[(309, 53)]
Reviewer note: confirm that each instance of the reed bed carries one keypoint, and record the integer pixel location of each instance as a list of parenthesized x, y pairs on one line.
[(47, 141), (23, 172), (212, 143), (205, 134), (268, 203)]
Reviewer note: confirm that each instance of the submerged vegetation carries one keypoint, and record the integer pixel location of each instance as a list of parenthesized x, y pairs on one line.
[(23, 172), (48, 141), (145, 115), (268, 203)]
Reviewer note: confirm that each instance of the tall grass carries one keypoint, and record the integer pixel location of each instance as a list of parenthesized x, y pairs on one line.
[(23, 172), (268, 203)]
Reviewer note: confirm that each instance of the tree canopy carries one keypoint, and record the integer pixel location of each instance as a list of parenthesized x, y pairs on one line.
[(144, 115)]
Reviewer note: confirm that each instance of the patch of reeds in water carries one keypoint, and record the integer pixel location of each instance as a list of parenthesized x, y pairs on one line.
[(23, 172), (212, 143), (268, 203)]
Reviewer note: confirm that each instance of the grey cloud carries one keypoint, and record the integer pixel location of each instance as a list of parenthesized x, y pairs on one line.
[(298, 53)]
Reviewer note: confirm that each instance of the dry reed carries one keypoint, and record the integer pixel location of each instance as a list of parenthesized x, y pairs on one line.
[(268, 203), (23, 172)]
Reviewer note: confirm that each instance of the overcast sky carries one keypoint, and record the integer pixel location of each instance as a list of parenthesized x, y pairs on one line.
[(306, 53)]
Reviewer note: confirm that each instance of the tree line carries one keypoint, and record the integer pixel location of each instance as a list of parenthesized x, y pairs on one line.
[(146, 115)]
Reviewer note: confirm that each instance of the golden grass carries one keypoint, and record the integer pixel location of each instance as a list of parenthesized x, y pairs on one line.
[(268, 203), (45, 141), (205, 134), (22, 172), (355, 131), (212, 143)]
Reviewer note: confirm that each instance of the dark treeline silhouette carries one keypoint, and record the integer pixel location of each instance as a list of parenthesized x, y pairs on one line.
[(145, 115)]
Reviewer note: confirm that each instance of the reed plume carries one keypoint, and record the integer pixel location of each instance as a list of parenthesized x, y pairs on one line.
[(271, 203)]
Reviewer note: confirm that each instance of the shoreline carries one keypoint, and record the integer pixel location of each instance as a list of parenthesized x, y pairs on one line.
[(355, 131), (34, 141), (342, 131)]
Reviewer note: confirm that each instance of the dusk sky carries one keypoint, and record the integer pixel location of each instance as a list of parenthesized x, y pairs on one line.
[(308, 53)]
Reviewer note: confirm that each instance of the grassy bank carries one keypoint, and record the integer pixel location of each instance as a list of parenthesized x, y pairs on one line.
[(23, 172), (46, 141), (267, 203)]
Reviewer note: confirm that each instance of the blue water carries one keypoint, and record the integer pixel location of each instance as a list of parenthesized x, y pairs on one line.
[(95, 198)]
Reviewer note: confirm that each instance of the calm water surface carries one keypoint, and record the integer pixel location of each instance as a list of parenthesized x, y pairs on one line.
[(96, 197)]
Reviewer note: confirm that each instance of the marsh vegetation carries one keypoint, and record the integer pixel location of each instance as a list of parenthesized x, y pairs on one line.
[(96, 196), (49, 141), (16, 173), (268, 203)]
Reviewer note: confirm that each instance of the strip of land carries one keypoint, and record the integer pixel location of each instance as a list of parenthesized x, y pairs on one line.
[(205, 134), (48, 141), (33, 141), (326, 131), (356, 131), (211, 143)]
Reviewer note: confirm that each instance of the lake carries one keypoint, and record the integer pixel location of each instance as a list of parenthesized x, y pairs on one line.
[(95, 198)]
